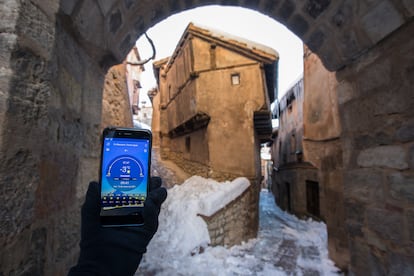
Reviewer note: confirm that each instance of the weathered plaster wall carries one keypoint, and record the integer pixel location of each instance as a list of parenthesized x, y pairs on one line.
[(155, 122), (322, 147), (229, 139), (199, 82)]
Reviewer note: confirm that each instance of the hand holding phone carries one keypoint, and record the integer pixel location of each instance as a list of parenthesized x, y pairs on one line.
[(115, 250), (124, 176)]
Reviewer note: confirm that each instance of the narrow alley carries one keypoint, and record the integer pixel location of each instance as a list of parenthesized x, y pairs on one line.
[(285, 244)]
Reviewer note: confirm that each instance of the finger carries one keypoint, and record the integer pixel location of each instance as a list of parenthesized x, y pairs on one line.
[(90, 214), (158, 196), (152, 208), (91, 204), (155, 183)]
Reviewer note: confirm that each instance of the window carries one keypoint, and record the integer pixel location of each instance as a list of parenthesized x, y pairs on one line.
[(235, 79), (293, 143)]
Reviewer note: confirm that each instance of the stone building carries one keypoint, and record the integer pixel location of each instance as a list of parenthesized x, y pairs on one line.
[(154, 96), (120, 96), (134, 70), (54, 56), (293, 175), (215, 93), (210, 84), (307, 153), (322, 147)]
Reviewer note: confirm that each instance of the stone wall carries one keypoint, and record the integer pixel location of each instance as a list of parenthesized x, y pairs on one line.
[(116, 108), (376, 101), (322, 147), (293, 199), (49, 140), (236, 222)]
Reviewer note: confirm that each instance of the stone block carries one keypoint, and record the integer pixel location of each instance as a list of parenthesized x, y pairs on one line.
[(316, 7), (401, 265), (386, 224), (115, 21), (67, 6), (298, 25), (349, 44), (105, 6), (8, 16), (409, 5), (375, 76), (355, 211), (17, 191), (66, 230), (89, 23), (364, 185), (286, 10), (36, 30), (354, 230), (316, 40), (410, 223), (27, 256), (88, 171), (411, 157), (373, 21), (373, 139), (402, 187), (49, 7), (72, 89), (360, 261), (393, 157), (374, 241), (406, 132), (56, 167), (346, 91)]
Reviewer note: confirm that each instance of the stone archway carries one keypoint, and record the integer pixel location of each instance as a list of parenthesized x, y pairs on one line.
[(53, 59)]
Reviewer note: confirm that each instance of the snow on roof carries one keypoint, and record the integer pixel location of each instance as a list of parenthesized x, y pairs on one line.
[(240, 41), (255, 49)]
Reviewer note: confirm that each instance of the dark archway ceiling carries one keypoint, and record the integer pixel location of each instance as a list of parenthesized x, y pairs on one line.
[(338, 31)]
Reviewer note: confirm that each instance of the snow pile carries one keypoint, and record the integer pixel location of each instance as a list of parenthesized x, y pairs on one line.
[(285, 245), (181, 230)]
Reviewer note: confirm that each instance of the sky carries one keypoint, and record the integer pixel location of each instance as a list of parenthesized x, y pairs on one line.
[(285, 245), (245, 23)]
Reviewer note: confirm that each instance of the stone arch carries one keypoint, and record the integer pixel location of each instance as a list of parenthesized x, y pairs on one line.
[(338, 31), (53, 58)]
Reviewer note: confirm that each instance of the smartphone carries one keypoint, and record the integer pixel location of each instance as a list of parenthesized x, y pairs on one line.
[(124, 175)]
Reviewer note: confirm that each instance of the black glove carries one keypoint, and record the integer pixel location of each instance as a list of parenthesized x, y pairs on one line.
[(116, 250)]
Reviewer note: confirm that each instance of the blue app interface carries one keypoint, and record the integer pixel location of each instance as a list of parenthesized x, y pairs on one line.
[(124, 173)]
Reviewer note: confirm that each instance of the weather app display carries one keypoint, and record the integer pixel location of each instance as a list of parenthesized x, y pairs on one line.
[(124, 177)]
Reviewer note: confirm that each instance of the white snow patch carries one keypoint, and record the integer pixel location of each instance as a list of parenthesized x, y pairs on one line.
[(181, 227), (218, 194), (176, 247)]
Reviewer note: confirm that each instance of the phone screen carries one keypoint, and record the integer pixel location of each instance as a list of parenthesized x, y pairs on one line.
[(124, 177)]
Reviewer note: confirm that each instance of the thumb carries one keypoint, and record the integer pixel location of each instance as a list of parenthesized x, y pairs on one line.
[(152, 208)]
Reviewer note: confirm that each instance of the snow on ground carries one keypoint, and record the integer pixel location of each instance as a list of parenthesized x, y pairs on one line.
[(285, 245)]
